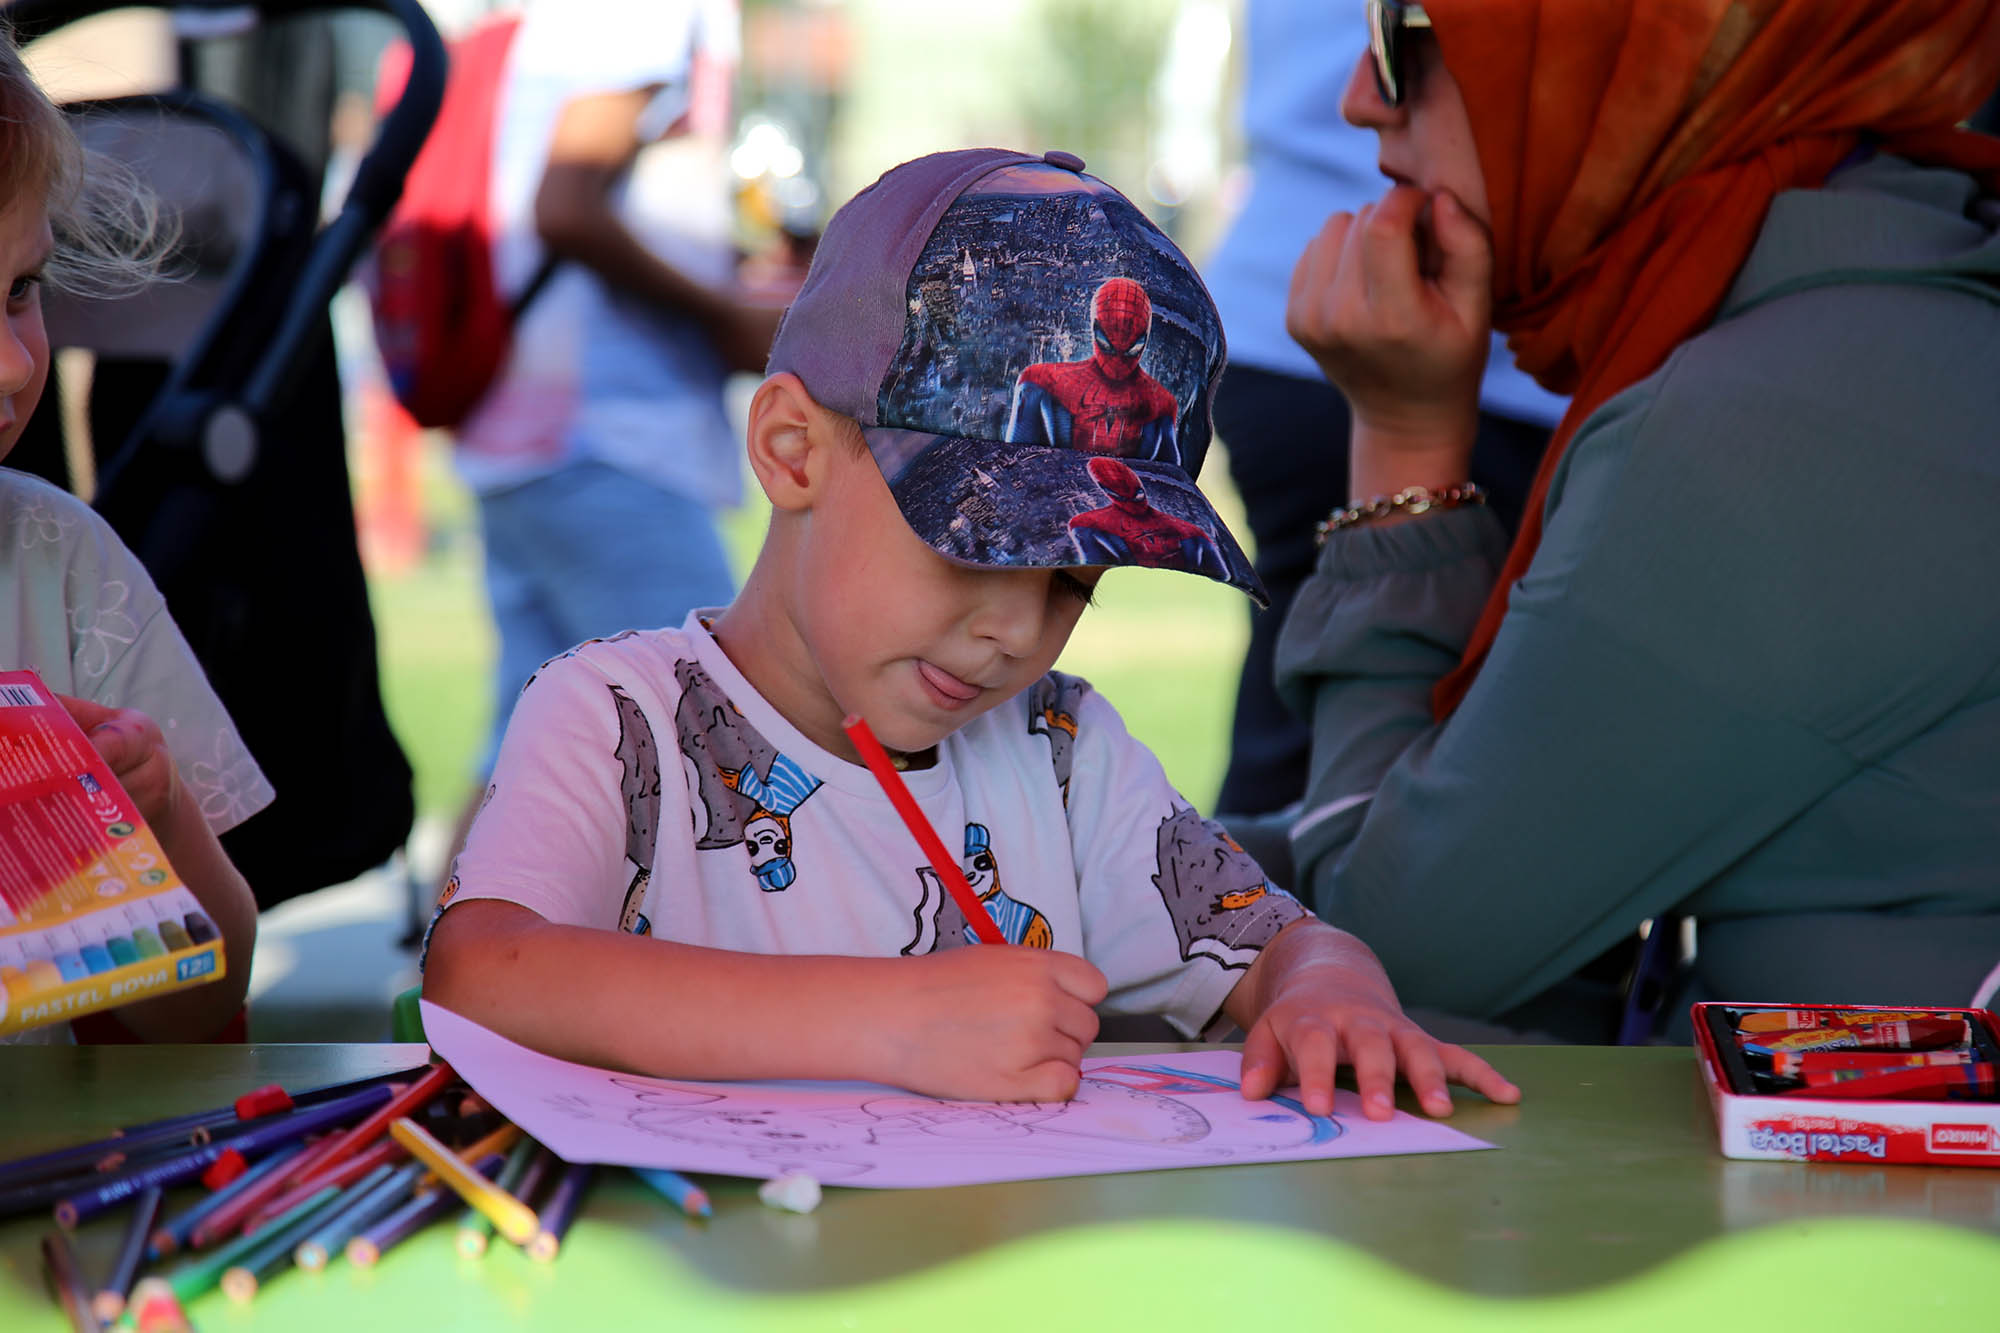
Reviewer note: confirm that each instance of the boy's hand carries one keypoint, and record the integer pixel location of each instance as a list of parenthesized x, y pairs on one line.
[(1327, 1002), (994, 1022), (136, 753)]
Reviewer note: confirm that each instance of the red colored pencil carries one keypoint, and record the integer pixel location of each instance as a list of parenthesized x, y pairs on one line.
[(406, 1102), (342, 1174), (942, 861)]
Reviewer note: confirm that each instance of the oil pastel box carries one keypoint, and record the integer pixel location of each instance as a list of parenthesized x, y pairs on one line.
[(1857, 1104)]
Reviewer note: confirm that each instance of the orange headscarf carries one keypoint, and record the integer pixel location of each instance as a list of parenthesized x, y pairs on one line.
[(1631, 150)]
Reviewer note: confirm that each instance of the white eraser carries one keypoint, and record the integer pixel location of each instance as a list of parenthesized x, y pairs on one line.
[(794, 1191)]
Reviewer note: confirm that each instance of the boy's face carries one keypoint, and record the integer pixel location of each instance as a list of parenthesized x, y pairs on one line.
[(915, 644)]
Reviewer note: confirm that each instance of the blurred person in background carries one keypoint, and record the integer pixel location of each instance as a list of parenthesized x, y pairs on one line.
[(603, 446)]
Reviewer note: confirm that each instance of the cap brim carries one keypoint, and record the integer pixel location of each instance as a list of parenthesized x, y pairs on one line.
[(1036, 506)]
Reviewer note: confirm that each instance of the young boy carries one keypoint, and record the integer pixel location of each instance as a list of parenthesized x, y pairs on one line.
[(683, 869)]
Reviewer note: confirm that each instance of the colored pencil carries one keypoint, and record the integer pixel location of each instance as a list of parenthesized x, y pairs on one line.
[(292, 1126), (942, 861), (385, 1153), (277, 1241), (198, 1276), (348, 1221), (687, 1196), (474, 1230), (410, 1099), (174, 1234), (511, 1218), (559, 1210), (368, 1248), (538, 1169), (67, 1281), (153, 1309), (193, 1128), (109, 1302)]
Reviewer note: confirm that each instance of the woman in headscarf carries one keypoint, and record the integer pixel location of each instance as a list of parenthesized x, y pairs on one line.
[(1743, 661)]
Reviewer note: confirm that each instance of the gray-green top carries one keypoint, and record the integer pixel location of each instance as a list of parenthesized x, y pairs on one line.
[(1752, 673)]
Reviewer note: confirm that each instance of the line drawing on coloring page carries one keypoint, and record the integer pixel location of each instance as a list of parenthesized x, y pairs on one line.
[(1132, 1113)]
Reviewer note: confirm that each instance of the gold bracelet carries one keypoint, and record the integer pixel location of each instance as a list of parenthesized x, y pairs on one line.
[(1411, 500)]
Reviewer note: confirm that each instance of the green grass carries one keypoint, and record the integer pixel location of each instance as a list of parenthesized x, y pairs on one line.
[(1163, 647)]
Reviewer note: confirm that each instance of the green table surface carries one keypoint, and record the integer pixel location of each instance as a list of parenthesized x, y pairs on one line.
[(1605, 1201)]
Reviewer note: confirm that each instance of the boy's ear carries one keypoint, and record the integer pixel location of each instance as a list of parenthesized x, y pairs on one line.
[(784, 440)]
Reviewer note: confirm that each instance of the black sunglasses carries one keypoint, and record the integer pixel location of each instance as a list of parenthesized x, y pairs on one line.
[(1387, 22)]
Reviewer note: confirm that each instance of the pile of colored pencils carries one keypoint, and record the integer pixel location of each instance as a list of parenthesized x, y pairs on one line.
[(291, 1179)]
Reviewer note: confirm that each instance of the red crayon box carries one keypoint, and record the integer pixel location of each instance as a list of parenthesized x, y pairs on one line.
[(1768, 1112)]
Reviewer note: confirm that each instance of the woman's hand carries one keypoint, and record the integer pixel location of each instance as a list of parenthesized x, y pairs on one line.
[(1395, 304)]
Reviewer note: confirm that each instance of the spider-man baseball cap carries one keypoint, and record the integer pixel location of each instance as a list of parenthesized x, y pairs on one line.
[(1030, 359)]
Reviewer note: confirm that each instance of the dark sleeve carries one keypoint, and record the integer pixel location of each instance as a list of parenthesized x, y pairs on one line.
[(1723, 622)]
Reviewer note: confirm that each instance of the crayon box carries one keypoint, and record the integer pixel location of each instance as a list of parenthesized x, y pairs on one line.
[(91, 915), (1766, 1111)]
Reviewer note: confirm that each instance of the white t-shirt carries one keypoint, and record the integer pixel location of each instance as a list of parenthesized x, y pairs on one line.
[(78, 607), (593, 373), (758, 840)]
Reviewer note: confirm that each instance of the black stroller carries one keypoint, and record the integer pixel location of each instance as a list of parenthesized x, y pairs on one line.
[(215, 423)]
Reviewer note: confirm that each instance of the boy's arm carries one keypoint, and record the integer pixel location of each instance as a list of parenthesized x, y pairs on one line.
[(131, 745), (1316, 997), (989, 1023)]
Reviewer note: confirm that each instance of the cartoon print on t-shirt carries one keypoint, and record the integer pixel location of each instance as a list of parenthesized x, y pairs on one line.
[(715, 738), (639, 785), (940, 923), (768, 834), (1221, 905), (1053, 703)]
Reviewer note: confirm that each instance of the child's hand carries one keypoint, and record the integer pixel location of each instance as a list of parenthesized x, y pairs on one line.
[(994, 1022), (1325, 1001), (133, 748)]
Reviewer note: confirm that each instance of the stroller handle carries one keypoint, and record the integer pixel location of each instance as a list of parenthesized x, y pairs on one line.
[(378, 184)]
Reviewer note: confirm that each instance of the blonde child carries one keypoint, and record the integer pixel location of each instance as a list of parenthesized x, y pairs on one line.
[(993, 386), (75, 604)]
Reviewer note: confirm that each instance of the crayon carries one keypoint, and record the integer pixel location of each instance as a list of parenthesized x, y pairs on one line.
[(687, 1196), (153, 1308), (474, 1230), (199, 928), (1910, 1034), (1794, 1064), (71, 965), (123, 952), (559, 1210), (352, 1218), (943, 862), (1959, 1083), (283, 1236), (366, 1249), (67, 1282), (97, 958), (109, 1302), (42, 974), (186, 1166), (174, 936), (1801, 1020), (385, 1153), (510, 1217), (148, 941), (174, 1235)]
